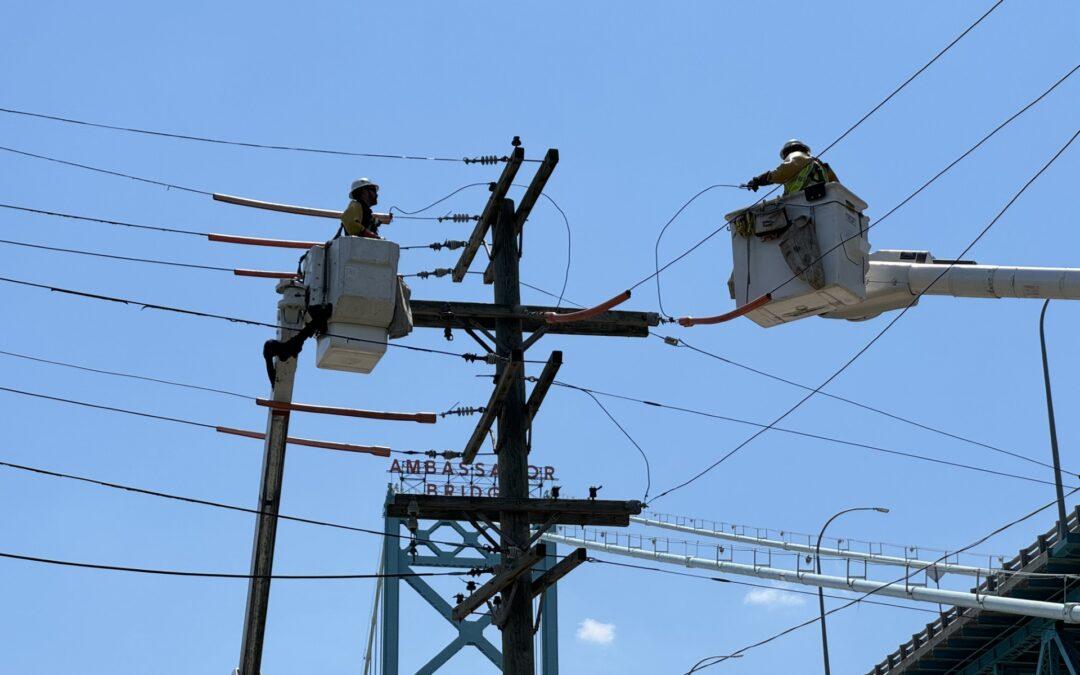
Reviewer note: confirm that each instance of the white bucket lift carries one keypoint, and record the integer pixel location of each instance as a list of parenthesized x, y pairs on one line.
[(773, 241), (810, 252), (357, 277)]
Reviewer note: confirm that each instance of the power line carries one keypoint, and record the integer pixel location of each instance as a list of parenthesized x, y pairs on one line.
[(109, 172), (884, 330), (260, 146), (863, 596), (893, 416), (222, 317), (163, 418), (648, 469), (217, 505), (132, 376), (57, 214), (806, 434), (95, 254), (224, 575)]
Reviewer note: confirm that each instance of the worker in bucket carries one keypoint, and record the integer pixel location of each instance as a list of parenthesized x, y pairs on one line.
[(798, 170), (358, 220)]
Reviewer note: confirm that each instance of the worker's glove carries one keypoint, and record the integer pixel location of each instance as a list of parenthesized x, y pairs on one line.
[(753, 185)]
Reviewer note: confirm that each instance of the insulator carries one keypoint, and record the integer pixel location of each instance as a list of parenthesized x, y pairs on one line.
[(462, 412), (491, 359), (485, 159), (458, 217)]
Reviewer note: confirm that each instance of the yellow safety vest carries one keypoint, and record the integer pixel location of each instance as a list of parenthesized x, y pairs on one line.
[(814, 173)]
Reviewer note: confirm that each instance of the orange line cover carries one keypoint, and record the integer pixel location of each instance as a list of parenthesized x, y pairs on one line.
[(552, 317), (688, 321), (257, 241), (424, 418), (329, 445)]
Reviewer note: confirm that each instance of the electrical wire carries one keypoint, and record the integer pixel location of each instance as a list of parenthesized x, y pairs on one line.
[(115, 373), (171, 230), (218, 141), (884, 330), (222, 317), (109, 172), (648, 469), (220, 505), (225, 575), (437, 201), (656, 247), (879, 411), (724, 580), (95, 254), (806, 434), (162, 418), (863, 596)]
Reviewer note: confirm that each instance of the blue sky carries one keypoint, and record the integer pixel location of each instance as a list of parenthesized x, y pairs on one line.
[(647, 104)]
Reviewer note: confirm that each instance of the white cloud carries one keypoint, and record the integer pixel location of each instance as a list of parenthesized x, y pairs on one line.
[(773, 598), (596, 632)]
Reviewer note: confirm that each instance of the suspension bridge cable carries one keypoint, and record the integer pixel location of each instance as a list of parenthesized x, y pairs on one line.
[(725, 580), (218, 141), (884, 330), (863, 596)]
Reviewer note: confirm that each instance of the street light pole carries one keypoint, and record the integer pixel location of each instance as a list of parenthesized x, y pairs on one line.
[(820, 592), (1062, 529)]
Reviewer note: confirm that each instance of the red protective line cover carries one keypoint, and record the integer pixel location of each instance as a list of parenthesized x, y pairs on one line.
[(688, 321), (265, 274), (424, 418), (257, 241), (552, 317), (328, 445)]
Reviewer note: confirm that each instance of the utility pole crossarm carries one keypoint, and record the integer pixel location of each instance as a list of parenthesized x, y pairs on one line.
[(560, 570), (461, 315), (491, 211), (539, 511)]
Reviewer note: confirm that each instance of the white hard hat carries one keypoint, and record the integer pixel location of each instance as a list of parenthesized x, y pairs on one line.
[(792, 146), (362, 182)]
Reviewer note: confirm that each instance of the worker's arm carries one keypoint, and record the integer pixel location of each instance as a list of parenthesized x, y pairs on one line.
[(787, 170)]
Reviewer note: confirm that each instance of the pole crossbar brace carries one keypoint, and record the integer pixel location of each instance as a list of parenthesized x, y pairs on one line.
[(422, 417), (500, 581), (543, 383), (528, 200), (494, 407), (378, 450), (491, 210), (560, 570)]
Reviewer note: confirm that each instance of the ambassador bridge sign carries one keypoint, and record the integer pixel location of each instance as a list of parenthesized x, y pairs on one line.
[(480, 479)]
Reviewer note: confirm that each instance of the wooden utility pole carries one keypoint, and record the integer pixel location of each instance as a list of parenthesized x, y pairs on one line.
[(513, 458), (290, 321)]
